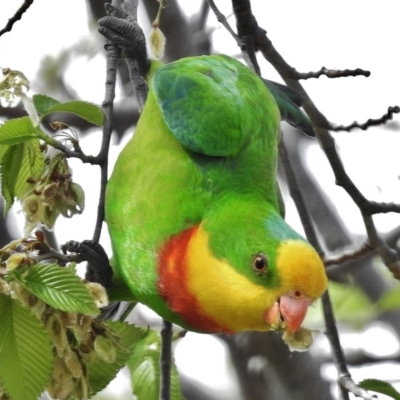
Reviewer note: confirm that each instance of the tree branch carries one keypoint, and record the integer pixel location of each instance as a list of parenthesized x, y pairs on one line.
[(222, 19), (166, 360), (298, 198), (370, 122), (17, 16), (346, 383), (331, 73), (102, 158), (347, 256), (56, 255)]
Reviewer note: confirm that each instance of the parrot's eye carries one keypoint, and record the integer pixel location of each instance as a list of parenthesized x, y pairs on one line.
[(260, 262)]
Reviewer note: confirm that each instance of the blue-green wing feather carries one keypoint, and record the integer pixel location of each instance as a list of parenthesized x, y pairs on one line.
[(289, 103)]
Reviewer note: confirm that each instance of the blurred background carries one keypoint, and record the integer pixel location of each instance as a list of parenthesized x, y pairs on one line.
[(57, 46)]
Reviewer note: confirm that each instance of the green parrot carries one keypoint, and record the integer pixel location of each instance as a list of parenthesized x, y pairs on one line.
[(193, 207)]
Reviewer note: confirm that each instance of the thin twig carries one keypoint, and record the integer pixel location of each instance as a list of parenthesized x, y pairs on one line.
[(56, 255), (247, 27), (389, 256), (17, 16), (74, 154), (298, 198), (221, 18), (377, 208), (108, 106), (166, 360), (348, 256), (365, 249), (370, 122), (331, 73), (346, 383)]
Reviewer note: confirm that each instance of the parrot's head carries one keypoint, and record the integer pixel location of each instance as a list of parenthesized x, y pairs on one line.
[(241, 269)]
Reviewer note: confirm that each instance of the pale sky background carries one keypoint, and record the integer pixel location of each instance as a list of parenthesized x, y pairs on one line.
[(309, 34)]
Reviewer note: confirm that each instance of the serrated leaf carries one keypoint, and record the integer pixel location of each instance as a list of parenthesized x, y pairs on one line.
[(26, 358), (31, 167), (10, 165), (389, 301), (17, 131), (88, 111), (58, 287), (19, 163), (144, 367), (43, 103), (101, 373), (379, 386)]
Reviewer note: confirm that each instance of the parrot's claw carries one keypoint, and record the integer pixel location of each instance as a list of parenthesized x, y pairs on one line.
[(99, 269), (129, 37)]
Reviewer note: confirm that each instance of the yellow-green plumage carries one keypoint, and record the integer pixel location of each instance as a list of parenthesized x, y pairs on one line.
[(198, 177)]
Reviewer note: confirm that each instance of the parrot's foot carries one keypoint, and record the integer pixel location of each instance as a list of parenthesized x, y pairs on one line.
[(129, 37), (99, 269)]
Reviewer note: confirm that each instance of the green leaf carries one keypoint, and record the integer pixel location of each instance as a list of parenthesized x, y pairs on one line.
[(43, 103), (31, 167), (19, 163), (17, 131), (88, 111), (10, 166), (101, 373), (145, 370), (26, 358), (389, 301), (59, 287), (380, 387)]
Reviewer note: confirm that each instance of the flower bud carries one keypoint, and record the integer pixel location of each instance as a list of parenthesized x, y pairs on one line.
[(49, 193), (15, 260), (87, 352), (69, 319), (74, 365), (57, 332), (98, 293), (60, 372), (301, 340), (59, 390), (157, 43)]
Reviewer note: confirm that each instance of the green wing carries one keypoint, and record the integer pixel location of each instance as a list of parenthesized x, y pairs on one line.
[(210, 104)]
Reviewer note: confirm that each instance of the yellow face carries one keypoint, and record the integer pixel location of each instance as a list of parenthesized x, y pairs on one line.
[(301, 268), (236, 303)]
